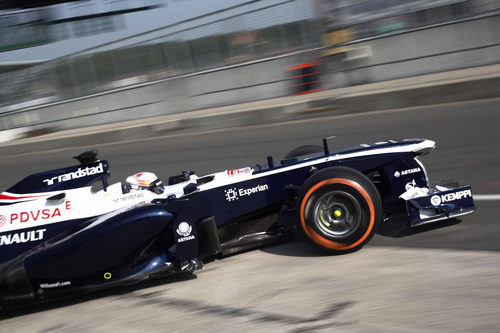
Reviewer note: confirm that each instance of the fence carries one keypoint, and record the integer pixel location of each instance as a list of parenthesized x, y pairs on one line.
[(457, 44), (175, 50), (230, 61)]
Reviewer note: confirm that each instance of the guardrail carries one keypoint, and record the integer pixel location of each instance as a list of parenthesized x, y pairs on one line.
[(266, 77)]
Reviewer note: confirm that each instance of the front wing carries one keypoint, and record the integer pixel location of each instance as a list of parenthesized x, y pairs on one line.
[(440, 205)]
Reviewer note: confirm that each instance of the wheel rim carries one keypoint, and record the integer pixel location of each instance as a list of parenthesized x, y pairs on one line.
[(337, 214)]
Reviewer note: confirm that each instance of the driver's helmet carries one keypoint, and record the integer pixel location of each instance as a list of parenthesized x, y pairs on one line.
[(145, 181)]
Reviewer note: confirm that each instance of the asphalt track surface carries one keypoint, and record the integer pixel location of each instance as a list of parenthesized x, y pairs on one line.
[(444, 277)]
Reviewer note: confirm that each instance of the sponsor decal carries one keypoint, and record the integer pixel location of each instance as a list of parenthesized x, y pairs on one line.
[(129, 197), (410, 185), (184, 229), (233, 194), (3, 220), (184, 239), (81, 172), (238, 171), (365, 145), (8, 198), (398, 174), (55, 284), (22, 237), (437, 199), (39, 214), (107, 275)]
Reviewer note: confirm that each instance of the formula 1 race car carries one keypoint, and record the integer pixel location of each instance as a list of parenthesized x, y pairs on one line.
[(60, 235)]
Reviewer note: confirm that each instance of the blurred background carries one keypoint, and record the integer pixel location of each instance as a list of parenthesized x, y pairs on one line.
[(71, 64), (68, 64)]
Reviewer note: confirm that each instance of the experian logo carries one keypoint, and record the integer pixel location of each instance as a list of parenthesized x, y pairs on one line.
[(76, 174), (233, 193)]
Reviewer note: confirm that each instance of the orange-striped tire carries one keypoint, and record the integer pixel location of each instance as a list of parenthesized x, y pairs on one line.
[(339, 209)]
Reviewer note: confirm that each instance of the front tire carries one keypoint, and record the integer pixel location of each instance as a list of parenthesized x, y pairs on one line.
[(339, 209)]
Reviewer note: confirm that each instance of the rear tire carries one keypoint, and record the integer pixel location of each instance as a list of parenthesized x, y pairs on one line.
[(304, 150), (339, 209)]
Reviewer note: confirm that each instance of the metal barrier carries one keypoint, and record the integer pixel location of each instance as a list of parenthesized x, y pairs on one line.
[(186, 47), (440, 47), (198, 66)]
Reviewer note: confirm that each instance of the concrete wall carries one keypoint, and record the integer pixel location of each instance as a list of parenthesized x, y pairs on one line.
[(441, 40), (212, 88), (268, 78)]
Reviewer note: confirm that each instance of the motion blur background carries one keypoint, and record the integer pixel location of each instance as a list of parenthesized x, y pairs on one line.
[(68, 64), (71, 64)]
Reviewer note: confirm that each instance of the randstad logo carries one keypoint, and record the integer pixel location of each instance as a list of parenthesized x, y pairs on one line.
[(75, 175)]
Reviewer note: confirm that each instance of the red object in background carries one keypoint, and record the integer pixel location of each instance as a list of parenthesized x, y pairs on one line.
[(306, 77)]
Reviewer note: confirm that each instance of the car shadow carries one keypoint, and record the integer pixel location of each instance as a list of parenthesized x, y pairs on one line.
[(301, 247), (297, 248), (38, 307), (398, 229), (395, 234)]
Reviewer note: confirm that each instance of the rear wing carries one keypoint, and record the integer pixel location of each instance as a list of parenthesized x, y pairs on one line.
[(68, 178)]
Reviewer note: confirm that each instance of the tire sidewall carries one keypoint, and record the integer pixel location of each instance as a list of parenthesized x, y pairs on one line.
[(352, 182)]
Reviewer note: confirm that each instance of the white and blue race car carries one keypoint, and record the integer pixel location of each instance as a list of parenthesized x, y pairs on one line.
[(59, 235)]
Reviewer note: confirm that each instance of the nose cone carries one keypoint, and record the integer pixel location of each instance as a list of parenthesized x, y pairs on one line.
[(15, 287)]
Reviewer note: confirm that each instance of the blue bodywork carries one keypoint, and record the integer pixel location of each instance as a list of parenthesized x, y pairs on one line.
[(138, 243)]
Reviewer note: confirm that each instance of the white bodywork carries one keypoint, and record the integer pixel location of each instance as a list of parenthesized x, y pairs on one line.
[(38, 209)]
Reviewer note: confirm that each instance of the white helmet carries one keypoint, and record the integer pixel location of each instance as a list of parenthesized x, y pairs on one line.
[(145, 181)]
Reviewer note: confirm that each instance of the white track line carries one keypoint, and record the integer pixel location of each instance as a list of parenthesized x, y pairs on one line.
[(486, 197)]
